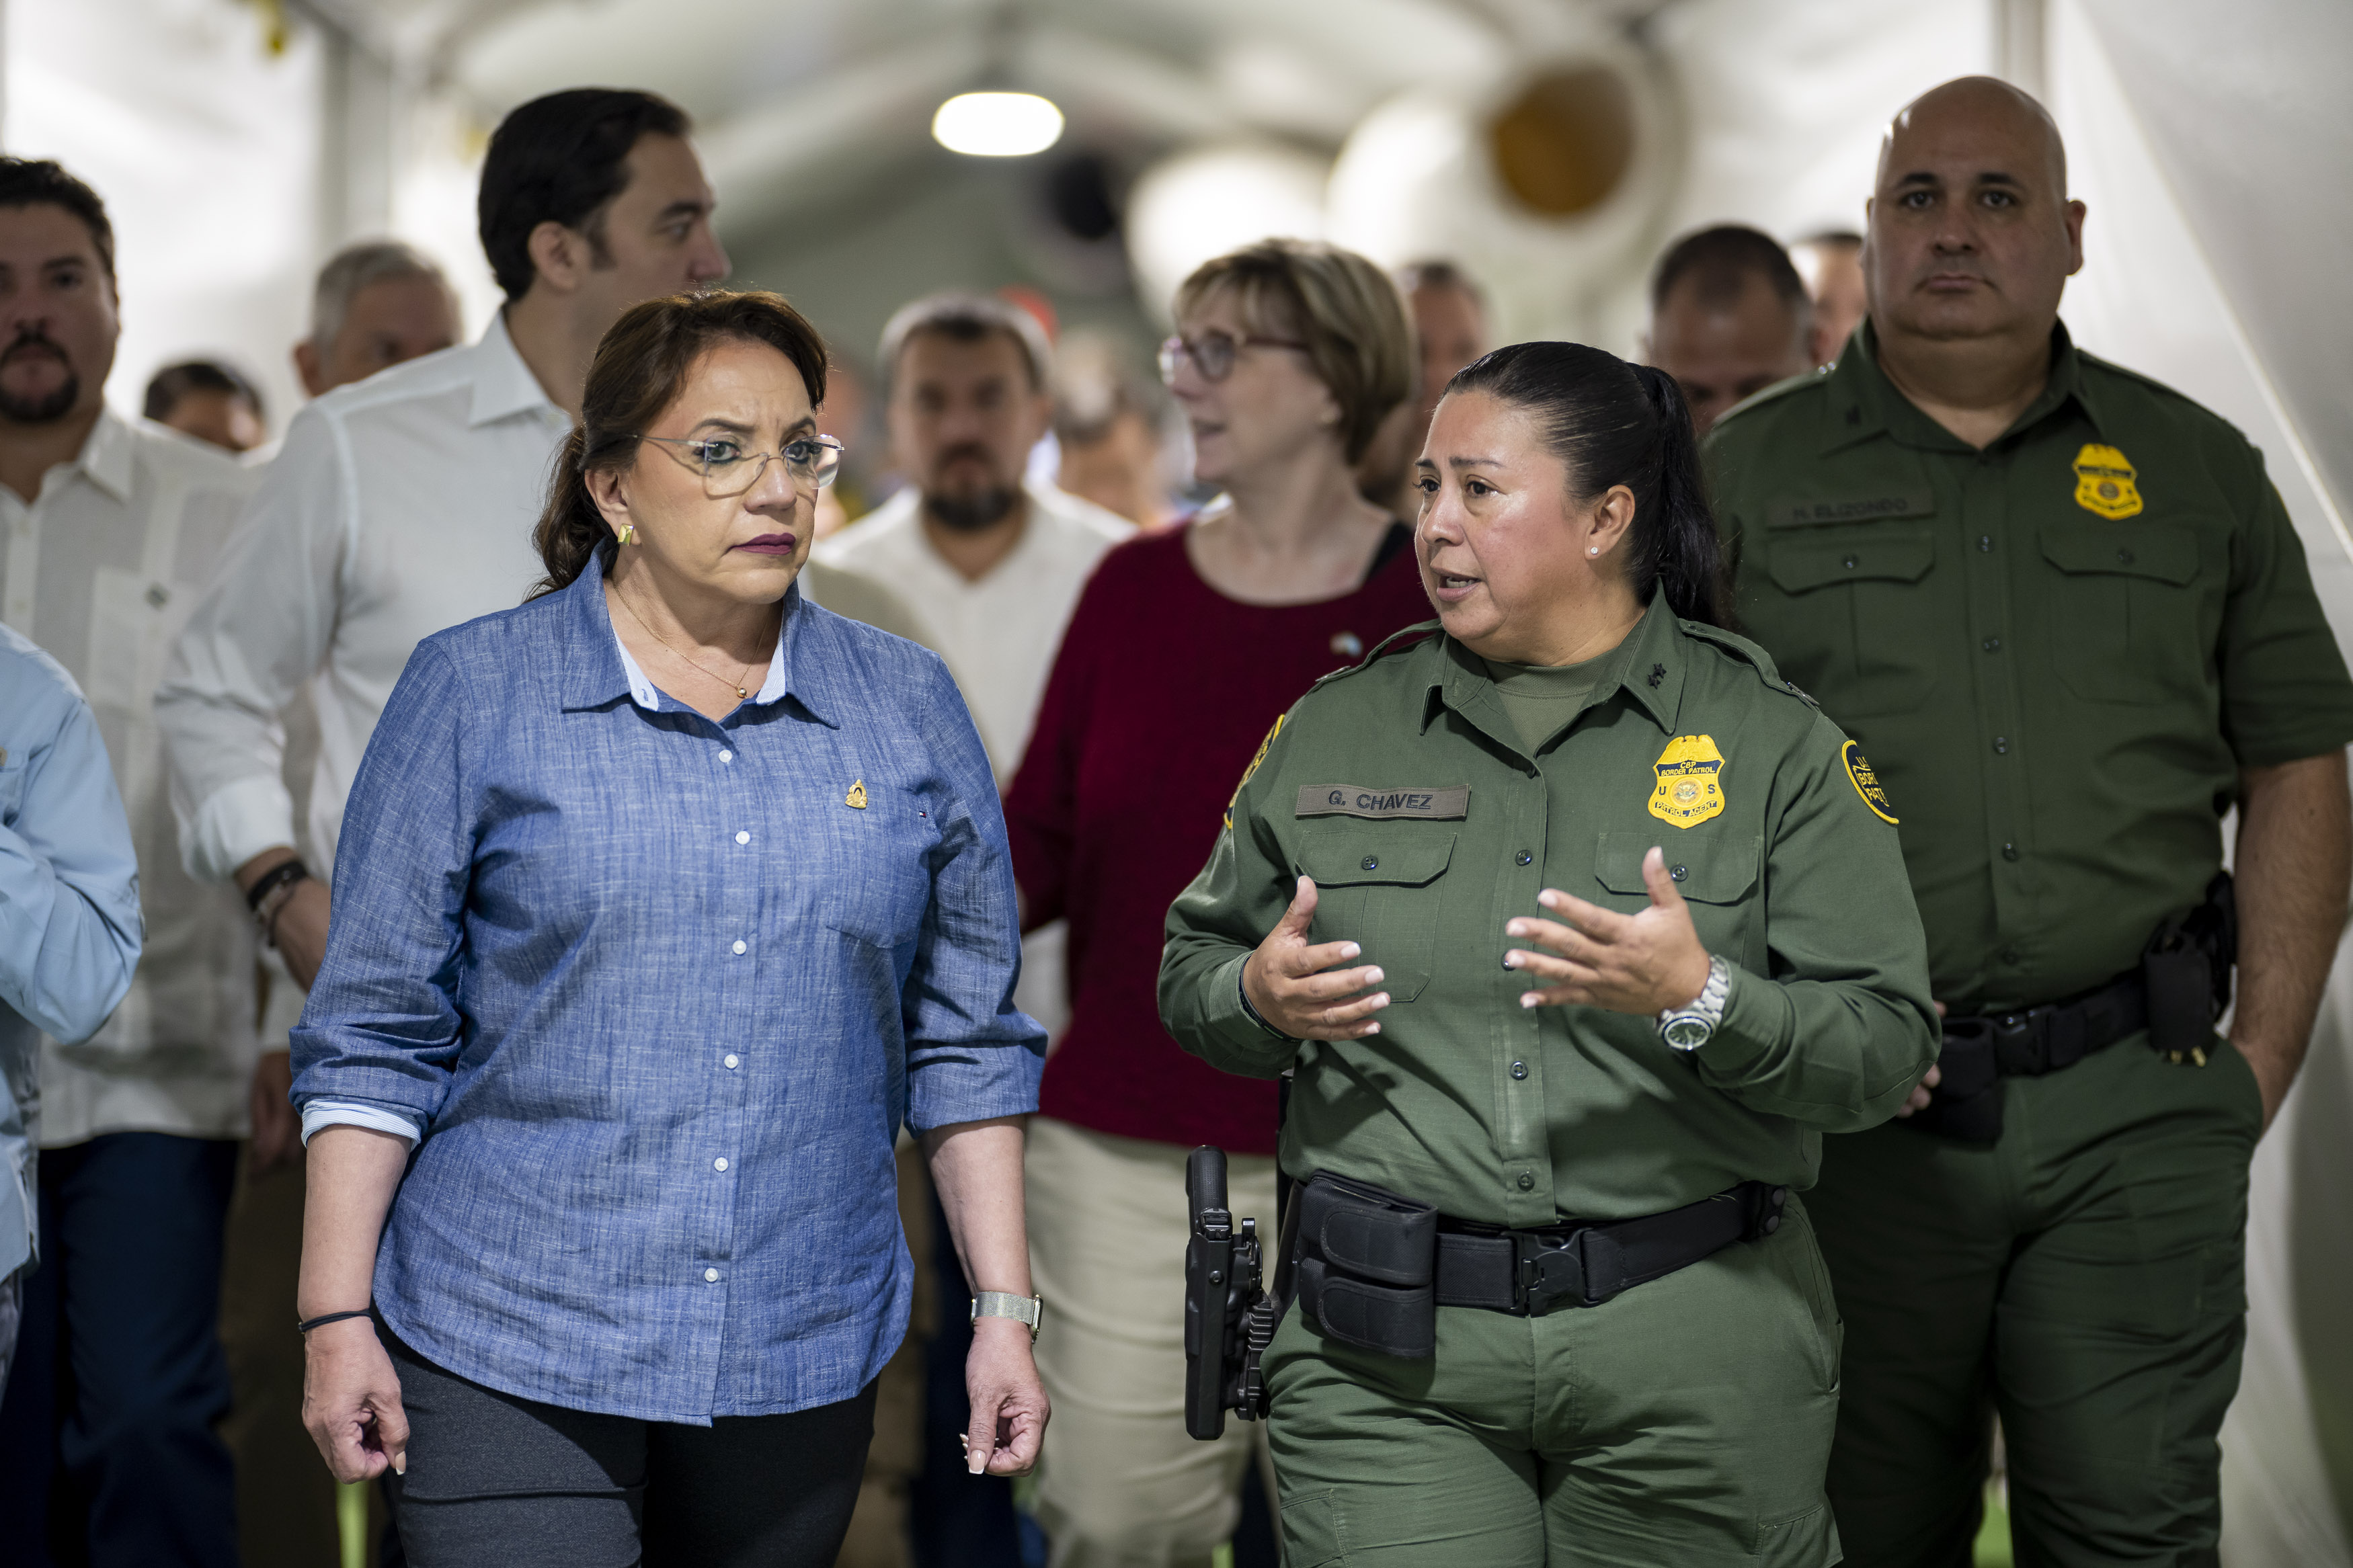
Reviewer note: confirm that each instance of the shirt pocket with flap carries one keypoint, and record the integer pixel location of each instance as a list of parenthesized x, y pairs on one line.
[(1377, 885), (1846, 625), (1715, 872), (2124, 611)]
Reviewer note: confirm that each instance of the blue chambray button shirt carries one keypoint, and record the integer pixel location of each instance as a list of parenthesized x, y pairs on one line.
[(658, 994)]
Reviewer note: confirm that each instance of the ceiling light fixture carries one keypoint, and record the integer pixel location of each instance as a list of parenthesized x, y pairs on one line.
[(997, 125)]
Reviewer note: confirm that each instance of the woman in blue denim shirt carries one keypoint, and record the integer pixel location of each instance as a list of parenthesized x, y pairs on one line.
[(661, 903)]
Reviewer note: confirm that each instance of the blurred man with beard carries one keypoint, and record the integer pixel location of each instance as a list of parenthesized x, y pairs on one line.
[(108, 532), (989, 566)]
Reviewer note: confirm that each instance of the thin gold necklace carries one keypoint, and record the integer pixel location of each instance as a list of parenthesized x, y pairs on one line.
[(742, 692)]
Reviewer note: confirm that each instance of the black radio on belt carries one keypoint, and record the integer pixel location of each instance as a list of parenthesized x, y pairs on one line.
[(2181, 987)]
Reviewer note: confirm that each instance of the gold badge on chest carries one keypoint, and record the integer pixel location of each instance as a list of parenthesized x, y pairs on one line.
[(2104, 483), (1691, 781)]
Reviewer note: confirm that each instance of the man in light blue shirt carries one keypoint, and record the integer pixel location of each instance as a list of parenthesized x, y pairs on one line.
[(70, 927)]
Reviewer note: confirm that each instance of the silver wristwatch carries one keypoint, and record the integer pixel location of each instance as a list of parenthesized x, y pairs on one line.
[(1030, 1309), (1691, 1025)]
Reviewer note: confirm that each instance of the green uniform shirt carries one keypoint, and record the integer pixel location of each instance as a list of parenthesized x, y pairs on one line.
[(1401, 787), (2059, 651)]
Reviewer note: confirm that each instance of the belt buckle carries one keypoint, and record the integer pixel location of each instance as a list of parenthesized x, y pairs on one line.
[(1548, 1277), (2021, 1040)]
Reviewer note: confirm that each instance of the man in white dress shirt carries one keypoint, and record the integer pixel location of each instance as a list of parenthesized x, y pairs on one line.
[(110, 529), (404, 505)]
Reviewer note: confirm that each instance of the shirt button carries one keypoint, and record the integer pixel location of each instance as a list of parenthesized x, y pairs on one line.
[(2009, 955), (1519, 1069), (2001, 749), (719, 1164), (1371, 864), (1680, 872), (743, 838), (732, 1061), (1525, 858), (741, 948), (1848, 563), (1993, 645), (2009, 851), (1985, 542), (725, 755), (711, 1276), (2123, 557), (1527, 1182)]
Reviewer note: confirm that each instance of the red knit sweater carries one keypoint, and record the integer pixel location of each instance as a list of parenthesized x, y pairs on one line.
[(1161, 692)]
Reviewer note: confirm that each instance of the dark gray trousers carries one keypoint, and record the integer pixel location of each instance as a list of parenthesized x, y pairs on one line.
[(495, 1479)]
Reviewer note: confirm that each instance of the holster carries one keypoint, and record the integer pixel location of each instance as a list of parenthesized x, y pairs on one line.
[(1366, 1266)]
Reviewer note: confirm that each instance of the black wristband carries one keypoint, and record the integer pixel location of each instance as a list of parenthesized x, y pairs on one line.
[(1256, 1017), (325, 1317), (270, 881)]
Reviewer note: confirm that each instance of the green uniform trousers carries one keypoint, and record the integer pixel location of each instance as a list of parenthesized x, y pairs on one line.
[(1685, 1423), (2085, 1277)]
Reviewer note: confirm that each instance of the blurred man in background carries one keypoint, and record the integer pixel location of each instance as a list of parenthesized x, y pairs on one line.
[(1832, 265), (1451, 329), (1107, 428), (107, 1453), (208, 400), (1728, 318), (376, 304)]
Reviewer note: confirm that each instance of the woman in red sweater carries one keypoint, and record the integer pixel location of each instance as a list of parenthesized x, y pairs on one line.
[(1184, 649)]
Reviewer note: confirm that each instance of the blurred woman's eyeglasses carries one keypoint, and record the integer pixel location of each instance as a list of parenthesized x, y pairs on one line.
[(1213, 354)]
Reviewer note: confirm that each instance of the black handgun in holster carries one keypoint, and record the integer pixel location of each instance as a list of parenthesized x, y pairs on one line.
[(1229, 1317), (2182, 986)]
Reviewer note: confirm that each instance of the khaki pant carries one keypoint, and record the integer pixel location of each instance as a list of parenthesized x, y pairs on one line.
[(1120, 1484)]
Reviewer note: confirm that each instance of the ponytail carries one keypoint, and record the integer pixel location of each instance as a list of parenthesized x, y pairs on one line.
[(1618, 423), (571, 530)]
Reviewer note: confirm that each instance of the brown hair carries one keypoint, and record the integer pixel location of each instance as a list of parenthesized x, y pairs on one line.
[(1345, 310), (640, 369)]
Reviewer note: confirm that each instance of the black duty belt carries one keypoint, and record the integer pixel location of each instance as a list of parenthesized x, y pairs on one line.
[(1529, 1273), (1979, 1051)]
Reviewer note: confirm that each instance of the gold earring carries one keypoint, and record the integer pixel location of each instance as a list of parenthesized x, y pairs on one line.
[(628, 534)]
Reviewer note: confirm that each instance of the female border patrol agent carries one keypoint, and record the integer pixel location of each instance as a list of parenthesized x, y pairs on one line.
[(1579, 926)]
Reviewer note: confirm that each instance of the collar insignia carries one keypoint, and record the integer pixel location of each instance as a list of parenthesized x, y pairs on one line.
[(1691, 786), (2104, 483)]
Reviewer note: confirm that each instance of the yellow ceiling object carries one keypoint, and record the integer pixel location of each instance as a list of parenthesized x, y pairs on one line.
[(1565, 142)]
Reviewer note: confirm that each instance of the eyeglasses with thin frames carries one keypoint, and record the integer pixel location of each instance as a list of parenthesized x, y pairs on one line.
[(727, 469), (1213, 354)]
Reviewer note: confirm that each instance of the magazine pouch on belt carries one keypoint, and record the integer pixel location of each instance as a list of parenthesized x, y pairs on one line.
[(1367, 1261)]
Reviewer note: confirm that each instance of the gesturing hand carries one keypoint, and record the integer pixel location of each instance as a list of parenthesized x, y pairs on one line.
[(1296, 988), (1643, 964)]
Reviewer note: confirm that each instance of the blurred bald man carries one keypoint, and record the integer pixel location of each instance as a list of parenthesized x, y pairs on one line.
[(1831, 263), (1728, 318), (2065, 613)]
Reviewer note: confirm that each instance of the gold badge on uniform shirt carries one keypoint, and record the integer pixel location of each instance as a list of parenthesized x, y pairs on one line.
[(1866, 783), (856, 798), (2104, 483), (1252, 769), (1691, 781)]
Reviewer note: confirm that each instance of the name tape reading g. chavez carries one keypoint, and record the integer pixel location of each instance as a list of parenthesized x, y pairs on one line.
[(1442, 801)]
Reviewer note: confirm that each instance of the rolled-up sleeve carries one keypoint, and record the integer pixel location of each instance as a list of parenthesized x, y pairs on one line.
[(260, 630), (70, 920), (1840, 1031), (382, 1028), (971, 1053)]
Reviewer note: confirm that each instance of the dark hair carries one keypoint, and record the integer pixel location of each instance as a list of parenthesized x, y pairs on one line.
[(1437, 272), (967, 319), (559, 159), (1618, 423), (26, 182), (640, 369), (1845, 237), (175, 381), (1720, 261)]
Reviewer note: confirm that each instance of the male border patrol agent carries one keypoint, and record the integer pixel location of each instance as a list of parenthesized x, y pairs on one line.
[(2068, 616), (1548, 1312)]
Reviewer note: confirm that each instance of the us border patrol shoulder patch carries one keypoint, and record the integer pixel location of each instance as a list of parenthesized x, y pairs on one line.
[(1251, 771), (1866, 783)]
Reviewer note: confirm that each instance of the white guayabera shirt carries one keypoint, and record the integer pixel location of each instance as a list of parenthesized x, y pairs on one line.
[(396, 508), (100, 571)]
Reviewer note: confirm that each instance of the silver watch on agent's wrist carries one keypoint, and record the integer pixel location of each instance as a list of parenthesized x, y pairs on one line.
[(1693, 1025), (1030, 1309)]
